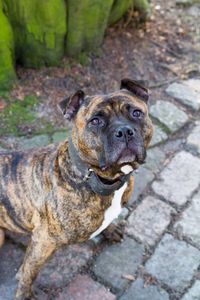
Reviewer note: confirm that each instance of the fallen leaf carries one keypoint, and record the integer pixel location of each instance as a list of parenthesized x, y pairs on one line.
[(2, 105), (128, 277)]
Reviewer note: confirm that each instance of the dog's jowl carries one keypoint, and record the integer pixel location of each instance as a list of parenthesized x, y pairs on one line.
[(69, 193)]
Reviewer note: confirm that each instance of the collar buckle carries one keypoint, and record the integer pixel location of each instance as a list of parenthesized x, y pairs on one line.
[(88, 175)]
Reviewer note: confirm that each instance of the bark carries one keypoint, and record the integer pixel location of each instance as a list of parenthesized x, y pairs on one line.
[(39, 30), (119, 8), (7, 73), (143, 7), (87, 21)]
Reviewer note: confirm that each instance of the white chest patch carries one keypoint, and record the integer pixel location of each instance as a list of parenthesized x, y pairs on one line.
[(111, 212)]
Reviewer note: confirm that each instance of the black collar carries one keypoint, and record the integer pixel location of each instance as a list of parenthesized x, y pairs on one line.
[(91, 179)]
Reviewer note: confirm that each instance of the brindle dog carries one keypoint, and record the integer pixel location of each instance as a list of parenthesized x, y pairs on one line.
[(68, 193)]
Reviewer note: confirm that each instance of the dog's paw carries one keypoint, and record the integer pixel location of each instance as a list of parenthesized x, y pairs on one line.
[(114, 232)]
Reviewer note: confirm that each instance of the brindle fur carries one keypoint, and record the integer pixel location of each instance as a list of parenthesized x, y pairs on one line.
[(40, 192)]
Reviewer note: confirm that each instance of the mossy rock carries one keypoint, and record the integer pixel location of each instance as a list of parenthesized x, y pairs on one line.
[(39, 30), (7, 72)]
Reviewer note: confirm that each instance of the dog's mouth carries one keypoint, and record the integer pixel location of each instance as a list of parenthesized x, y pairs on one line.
[(107, 181), (126, 157)]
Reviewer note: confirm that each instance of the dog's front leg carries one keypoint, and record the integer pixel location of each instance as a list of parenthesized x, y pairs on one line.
[(39, 250)]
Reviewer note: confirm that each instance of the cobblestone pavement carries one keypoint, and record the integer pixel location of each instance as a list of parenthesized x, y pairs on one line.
[(159, 258)]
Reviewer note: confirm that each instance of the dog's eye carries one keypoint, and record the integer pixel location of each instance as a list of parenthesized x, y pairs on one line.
[(137, 113), (96, 121)]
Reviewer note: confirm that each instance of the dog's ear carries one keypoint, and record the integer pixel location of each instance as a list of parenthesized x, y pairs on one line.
[(136, 88), (69, 106)]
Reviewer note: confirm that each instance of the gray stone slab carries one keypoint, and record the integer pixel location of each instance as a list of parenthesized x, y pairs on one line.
[(193, 293), (85, 288), (138, 291), (118, 260), (11, 258), (169, 114), (185, 93), (34, 142), (174, 262), (155, 158), (159, 135), (193, 140), (179, 179), (142, 178), (184, 2), (59, 136), (193, 83), (63, 265), (149, 220), (189, 223), (7, 290)]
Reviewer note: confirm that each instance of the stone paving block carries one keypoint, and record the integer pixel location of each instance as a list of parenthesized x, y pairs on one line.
[(174, 262), (169, 114), (142, 178), (85, 288), (193, 293), (11, 258), (193, 140), (149, 220), (7, 290), (193, 83), (137, 291), (189, 223), (158, 135), (184, 2), (186, 93), (63, 266), (179, 179), (155, 158), (118, 260), (34, 142), (59, 136)]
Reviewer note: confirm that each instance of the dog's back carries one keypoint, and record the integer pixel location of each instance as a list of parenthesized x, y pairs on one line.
[(20, 179)]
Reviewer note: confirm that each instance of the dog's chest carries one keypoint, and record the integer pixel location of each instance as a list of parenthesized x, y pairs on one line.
[(112, 212)]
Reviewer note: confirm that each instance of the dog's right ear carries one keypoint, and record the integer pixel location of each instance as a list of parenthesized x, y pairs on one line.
[(70, 106), (136, 88)]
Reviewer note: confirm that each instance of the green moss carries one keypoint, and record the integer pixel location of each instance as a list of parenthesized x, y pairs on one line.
[(143, 7), (87, 21), (16, 114), (39, 30), (7, 73), (118, 10)]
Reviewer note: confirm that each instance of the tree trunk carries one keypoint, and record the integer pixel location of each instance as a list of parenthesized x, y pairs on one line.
[(39, 28), (119, 8), (142, 6), (44, 30), (87, 21), (7, 73)]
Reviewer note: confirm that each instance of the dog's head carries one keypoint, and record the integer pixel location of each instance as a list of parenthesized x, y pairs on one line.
[(113, 130)]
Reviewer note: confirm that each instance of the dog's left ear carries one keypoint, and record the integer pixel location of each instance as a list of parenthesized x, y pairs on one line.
[(136, 88), (69, 106)]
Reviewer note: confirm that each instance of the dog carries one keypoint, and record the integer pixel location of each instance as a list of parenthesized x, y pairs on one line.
[(71, 192)]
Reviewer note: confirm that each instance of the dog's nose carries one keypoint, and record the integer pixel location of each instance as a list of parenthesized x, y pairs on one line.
[(124, 134)]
